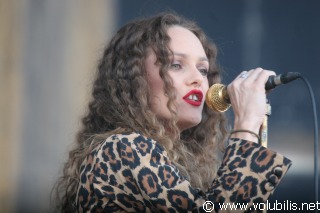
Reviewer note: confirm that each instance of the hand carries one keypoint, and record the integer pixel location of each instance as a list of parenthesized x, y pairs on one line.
[(248, 99)]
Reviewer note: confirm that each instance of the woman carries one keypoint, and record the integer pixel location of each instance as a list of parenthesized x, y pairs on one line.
[(150, 144)]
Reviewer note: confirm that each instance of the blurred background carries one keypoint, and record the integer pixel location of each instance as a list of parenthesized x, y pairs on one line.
[(49, 52)]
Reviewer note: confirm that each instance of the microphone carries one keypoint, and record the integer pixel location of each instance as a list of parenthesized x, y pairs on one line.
[(217, 97)]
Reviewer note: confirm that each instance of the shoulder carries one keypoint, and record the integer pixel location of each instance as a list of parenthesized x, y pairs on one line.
[(130, 149), (139, 141), (135, 140)]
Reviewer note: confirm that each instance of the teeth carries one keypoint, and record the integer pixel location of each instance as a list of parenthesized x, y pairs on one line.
[(193, 97)]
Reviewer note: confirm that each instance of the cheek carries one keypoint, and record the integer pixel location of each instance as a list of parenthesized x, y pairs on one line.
[(158, 99), (205, 85), (156, 85)]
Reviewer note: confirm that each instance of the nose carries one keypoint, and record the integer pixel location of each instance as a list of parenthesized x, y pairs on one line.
[(195, 78)]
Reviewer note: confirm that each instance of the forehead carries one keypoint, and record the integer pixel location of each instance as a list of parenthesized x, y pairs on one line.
[(184, 39)]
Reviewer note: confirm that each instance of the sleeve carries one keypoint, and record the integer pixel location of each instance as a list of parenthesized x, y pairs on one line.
[(139, 177)]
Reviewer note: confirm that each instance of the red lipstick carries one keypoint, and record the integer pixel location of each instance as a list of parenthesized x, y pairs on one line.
[(194, 97)]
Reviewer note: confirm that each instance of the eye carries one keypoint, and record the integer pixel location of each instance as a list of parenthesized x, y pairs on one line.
[(176, 66), (203, 71)]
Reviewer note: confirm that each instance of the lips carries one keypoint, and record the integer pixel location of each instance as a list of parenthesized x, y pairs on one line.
[(194, 97)]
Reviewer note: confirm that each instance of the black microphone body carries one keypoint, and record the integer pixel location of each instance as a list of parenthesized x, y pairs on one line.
[(217, 97), (284, 78)]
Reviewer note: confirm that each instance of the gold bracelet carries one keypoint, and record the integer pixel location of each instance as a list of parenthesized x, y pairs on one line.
[(245, 130)]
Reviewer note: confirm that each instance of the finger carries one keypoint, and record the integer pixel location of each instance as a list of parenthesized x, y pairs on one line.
[(242, 75), (263, 76), (254, 73), (258, 76), (250, 75)]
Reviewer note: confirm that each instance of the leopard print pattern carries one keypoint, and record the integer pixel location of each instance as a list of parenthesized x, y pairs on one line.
[(132, 173)]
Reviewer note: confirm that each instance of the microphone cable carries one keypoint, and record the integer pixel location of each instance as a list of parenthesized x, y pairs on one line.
[(316, 139)]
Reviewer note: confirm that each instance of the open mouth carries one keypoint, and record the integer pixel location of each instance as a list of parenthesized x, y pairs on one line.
[(194, 97)]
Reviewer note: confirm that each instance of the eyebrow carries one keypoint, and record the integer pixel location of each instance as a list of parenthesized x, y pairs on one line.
[(185, 56)]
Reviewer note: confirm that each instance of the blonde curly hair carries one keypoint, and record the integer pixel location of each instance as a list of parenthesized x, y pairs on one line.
[(121, 103)]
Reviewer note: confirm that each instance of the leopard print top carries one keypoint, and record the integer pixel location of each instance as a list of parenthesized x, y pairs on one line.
[(132, 173)]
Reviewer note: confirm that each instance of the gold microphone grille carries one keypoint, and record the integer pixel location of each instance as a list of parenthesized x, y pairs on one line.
[(215, 98)]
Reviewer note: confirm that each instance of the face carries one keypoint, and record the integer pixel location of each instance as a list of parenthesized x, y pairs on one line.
[(188, 71)]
